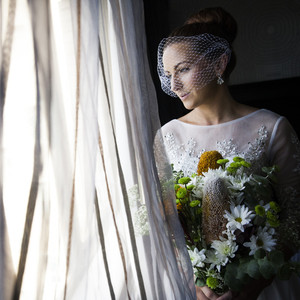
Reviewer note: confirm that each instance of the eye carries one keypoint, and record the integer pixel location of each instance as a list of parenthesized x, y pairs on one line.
[(185, 69)]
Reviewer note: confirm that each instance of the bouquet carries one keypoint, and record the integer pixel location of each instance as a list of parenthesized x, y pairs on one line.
[(230, 220)]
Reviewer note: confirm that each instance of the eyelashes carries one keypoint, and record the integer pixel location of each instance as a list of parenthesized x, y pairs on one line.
[(183, 70), (179, 71)]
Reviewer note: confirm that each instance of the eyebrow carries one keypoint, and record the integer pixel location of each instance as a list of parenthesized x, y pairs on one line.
[(177, 65), (182, 62)]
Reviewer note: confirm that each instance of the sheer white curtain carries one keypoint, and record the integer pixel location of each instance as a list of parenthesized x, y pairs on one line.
[(85, 208)]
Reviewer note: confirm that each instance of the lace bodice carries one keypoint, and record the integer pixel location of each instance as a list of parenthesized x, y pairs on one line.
[(261, 137), (248, 136)]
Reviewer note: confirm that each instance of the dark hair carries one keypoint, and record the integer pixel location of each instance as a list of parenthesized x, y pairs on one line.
[(213, 20)]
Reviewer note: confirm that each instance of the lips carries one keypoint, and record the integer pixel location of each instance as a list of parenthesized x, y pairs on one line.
[(183, 95)]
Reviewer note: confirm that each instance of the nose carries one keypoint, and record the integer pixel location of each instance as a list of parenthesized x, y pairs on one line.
[(176, 84)]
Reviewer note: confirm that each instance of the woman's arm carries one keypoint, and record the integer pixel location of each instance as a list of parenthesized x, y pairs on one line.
[(284, 151)]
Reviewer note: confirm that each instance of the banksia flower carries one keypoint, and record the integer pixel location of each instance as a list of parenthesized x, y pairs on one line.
[(208, 160), (215, 202)]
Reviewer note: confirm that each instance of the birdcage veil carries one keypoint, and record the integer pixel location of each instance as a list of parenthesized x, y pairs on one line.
[(186, 62)]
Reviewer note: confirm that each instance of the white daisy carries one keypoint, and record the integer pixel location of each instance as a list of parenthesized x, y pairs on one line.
[(238, 217), (216, 173), (197, 257), (238, 182), (263, 240), (214, 260), (225, 249), (229, 234), (197, 181)]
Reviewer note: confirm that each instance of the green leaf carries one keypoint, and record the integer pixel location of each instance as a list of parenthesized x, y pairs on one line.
[(200, 282), (231, 270), (266, 268), (270, 172), (242, 274), (260, 253), (231, 279), (253, 269)]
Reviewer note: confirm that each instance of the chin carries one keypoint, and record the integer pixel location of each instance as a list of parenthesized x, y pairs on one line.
[(188, 107)]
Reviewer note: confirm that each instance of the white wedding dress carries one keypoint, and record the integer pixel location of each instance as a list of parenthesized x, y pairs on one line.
[(262, 138)]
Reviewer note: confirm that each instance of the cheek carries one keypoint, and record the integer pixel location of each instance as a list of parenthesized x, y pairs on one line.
[(201, 77), (190, 79)]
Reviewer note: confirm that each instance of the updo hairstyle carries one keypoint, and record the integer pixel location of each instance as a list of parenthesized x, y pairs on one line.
[(213, 20)]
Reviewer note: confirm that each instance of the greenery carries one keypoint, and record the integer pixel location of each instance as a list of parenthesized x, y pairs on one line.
[(230, 219)]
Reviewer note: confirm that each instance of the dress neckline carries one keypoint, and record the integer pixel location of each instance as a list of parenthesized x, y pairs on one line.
[(222, 124)]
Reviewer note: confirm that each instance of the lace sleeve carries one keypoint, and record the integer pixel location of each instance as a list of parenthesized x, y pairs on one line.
[(284, 151)]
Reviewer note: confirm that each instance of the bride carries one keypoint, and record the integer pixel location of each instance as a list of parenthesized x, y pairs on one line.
[(194, 63)]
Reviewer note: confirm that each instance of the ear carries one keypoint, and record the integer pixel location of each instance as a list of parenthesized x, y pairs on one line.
[(221, 64)]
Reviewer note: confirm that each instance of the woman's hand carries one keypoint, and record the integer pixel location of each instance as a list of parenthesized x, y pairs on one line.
[(205, 293), (227, 296), (250, 292)]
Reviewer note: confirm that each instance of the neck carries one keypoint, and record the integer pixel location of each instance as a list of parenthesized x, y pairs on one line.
[(219, 108)]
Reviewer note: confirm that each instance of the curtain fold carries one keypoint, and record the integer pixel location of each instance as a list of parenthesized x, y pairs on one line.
[(86, 195), (140, 98)]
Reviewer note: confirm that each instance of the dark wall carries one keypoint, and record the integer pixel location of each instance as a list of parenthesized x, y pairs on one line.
[(277, 91), (281, 96)]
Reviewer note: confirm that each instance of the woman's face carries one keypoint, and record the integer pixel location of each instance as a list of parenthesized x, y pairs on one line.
[(189, 75)]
